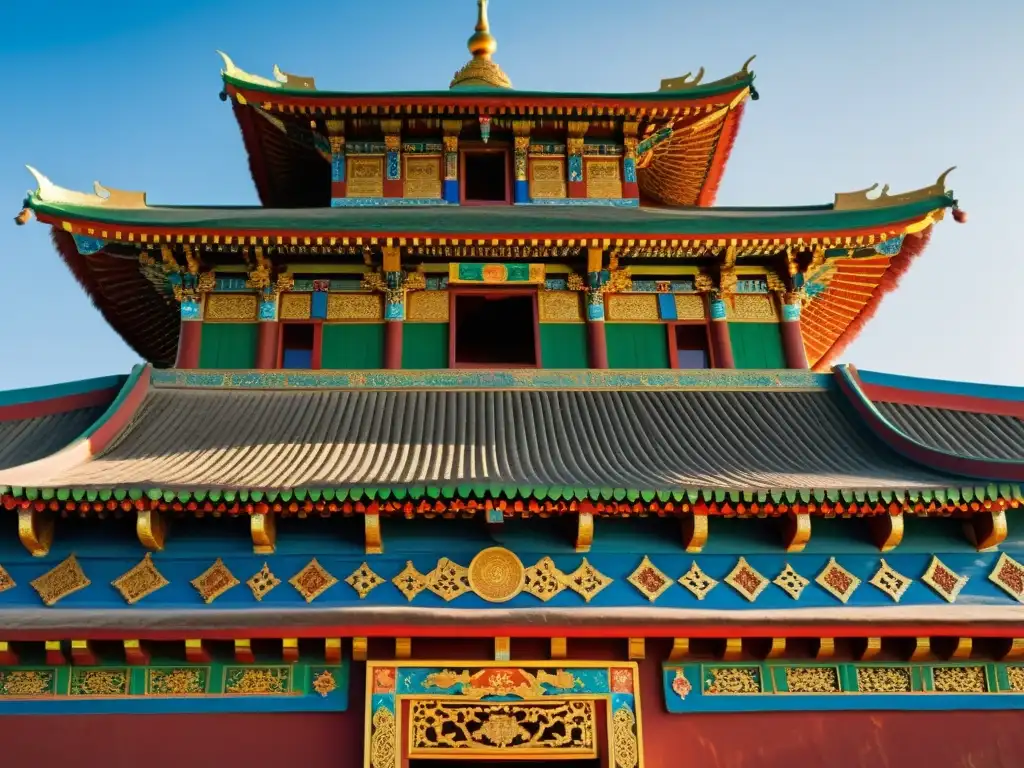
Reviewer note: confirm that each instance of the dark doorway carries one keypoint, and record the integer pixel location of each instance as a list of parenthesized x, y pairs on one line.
[(297, 341), (463, 763), (692, 346), (495, 330), (484, 176)]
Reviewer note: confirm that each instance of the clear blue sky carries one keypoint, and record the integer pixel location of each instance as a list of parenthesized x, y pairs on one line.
[(851, 93)]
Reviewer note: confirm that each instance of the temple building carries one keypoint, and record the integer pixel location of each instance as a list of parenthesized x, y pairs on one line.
[(489, 439)]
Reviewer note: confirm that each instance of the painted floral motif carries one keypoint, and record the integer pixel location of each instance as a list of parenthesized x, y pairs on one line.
[(214, 581), (312, 581), (60, 581), (1008, 575), (649, 580), (681, 687), (142, 580), (837, 581), (746, 580), (944, 580)]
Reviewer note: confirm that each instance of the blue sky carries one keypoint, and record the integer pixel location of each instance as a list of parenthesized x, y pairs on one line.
[(851, 93)]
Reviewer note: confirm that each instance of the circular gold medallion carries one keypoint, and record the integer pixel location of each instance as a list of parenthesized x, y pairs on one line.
[(496, 575)]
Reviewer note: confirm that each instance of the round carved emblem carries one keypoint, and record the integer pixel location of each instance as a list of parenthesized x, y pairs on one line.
[(496, 575)]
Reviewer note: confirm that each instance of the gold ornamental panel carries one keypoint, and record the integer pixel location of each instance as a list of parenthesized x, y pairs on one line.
[(604, 179), (296, 306), (427, 307), (496, 575), (365, 177), (547, 178), (231, 307), (423, 176), (751, 307), (512, 729), (632, 307), (363, 307), (560, 307), (689, 306)]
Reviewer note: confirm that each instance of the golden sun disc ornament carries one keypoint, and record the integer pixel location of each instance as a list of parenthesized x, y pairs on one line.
[(496, 575)]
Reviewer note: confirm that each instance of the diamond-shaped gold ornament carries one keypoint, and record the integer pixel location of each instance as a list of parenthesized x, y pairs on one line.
[(944, 579), (410, 582), (448, 580), (144, 579), (698, 582), (363, 580), (62, 580), (746, 580), (6, 582), (837, 581), (649, 579), (312, 581), (586, 581), (262, 582), (1008, 575), (890, 581), (791, 582), (214, 581), (543, 580)]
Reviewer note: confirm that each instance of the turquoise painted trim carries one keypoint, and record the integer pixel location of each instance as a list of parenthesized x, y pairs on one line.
[(130, 382), (943, 387), (55, 391), (625, 202), (511, 379), (139, 705), (387, 202)]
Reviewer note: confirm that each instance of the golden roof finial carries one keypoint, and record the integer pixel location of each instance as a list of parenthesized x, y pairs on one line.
[(481, 71)]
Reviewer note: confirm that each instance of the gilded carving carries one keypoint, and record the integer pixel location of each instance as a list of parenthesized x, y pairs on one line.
[(1008, 575), (812, 679), (6, 582), (790, 582), (232, 307), (943, 579), (733, 680), (324, 683), (634, 307), (99, 682), (410, 582), (296, 306), (428, 307), (604, 178), (448, 580), (422, 176), (544, 580), (689, 306), (214, 581), (142, 580), (1015, 676), (883, 680), (959, 679), (60, 581), (586, 581), (496, 575), (180, 681), (365, 176), (502, 682), (625, 749), (547, 178), (564, 728), (257, 680), (559, 307), (384, 739), (25, 682), (746, 580), (355, 306), (697, 582), (649, 580), (312, 581), (890, 581), (751, 307), (837, 581), (363, 580), (262, 582)]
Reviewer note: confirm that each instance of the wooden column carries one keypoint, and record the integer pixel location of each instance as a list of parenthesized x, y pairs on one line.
[(268, 332), (721, 343), (597, 340), (577, 185), (792, 338), (336, 136), (630, 188), (521, 192), (393, 185), (394, 307), (452, 129), (190, 335)]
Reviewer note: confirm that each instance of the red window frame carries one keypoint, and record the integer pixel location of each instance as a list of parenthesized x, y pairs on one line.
[(454, 293), (481, 149)]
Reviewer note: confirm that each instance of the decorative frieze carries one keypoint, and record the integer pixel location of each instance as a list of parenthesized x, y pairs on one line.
[(232, 307)]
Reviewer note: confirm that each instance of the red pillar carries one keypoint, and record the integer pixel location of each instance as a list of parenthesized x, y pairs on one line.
[(266, 345), (190, 338), (393, 344), (721, 343), (597, 344), (792, 338)]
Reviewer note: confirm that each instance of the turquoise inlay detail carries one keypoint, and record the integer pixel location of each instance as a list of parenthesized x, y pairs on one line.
[(190, 310), (717, 309), (55, 391), (268, 310), (627, 202), (890, 247), (942, 387), (88, 245), (385, 202), (790, 313)]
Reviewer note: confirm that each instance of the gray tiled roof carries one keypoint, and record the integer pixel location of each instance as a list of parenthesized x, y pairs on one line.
[(25, 440), (979, 435)]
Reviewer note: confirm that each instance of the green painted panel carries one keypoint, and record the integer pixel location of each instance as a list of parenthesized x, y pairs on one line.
[(352, 346), (228, 345), (757, 345), (425, 345), (637, 345), (563, 345)]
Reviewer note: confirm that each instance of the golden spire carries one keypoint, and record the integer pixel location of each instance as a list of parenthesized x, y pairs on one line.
[(481, 71)]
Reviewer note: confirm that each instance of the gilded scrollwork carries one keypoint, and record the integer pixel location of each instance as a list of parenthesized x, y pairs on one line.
[(26, 682), (99, 682), (626, 751), (883, 680), (257, 680), (178, 681), (959, 679), (812, 680), (733, 680), (384, 741)]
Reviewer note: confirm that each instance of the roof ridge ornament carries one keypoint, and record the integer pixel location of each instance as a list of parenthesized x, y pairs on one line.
[(862, 198), (48, 192), (236, 73), (481, 70)]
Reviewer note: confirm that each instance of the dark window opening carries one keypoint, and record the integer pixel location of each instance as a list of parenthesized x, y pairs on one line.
[(297, 345), (495, 330), (692, 346), (484, 763), (485, 177)]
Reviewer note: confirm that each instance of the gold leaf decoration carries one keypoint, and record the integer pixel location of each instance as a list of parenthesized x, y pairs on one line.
[(544, 580), (448, 580), (959, 680), (586, 581), (179, 681), (214, 581), (812, 680), (649, 580), (1008, 575), (26, 682), (697, 582), (363, 580), (837, 581), (790, 582), (142, 580), (262, 582), (746, 580), (410, 582), (99, 682), (257, 680), (883, 680), (60, 581), (890, 581), (312, 581), (6, 582), (324, 683), (943, 579)]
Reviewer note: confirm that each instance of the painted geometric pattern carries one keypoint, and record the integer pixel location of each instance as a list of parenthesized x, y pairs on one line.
[(944, 580), (790, 582), (837, 581), (214, 581), (698, 582), (649, 580), (144, 579), (262, 582), (745, 579), (890, 581), (1008, 575)]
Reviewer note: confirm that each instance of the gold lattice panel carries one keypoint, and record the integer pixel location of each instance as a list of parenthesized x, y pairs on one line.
[(604, 178), (427, 306), (689, 306), (547, 178), (423, 176), (296, 306), (632, 307), (560, 307), (231, 307), (751, 307), (366, 307), (679, 165), (365, 177)]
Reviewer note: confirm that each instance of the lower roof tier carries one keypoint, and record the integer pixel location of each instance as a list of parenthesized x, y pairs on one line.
[(627, 436)]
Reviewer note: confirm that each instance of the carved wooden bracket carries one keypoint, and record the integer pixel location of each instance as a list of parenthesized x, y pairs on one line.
[(263, 526), (1014, 650), (733, 649), (680, 649), (403, 648), (986, 530), (35, 529), (332, 650), (195, 652), (502, 649), (54, 653), (872, 649), (135, 654), (82, 653), (796, 531), (559, 647), (151, 528), (585, 532), (887, 530), (374, 541), (290, 649), (922, 649), (359, 648), (243, 651), (7, 655), (695, 531), (777, 649), (637, 649), (826, 648)]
